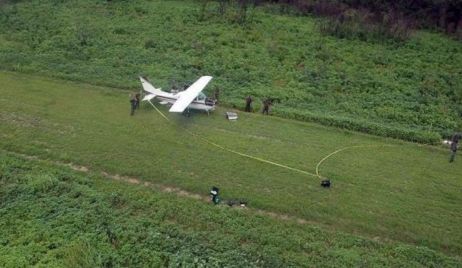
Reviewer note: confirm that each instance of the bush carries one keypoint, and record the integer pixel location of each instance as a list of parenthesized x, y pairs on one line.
[(149, 44)]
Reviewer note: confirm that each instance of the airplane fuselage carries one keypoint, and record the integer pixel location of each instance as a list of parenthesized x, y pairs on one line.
[(197, 104), (191, 98)]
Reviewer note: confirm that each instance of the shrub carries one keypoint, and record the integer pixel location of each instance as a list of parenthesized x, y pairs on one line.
[(149, 44), (79, 254)]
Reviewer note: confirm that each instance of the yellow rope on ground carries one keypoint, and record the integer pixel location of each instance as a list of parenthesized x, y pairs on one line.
[(343, 149), (159, 111), (236, 152)]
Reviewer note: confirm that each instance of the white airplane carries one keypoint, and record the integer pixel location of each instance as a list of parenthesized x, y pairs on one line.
[(191, 98)]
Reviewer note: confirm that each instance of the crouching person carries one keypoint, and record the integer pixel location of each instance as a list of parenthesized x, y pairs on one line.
[(214, 195)]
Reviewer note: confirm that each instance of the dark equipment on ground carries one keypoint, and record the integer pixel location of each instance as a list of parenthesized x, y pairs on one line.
[(237, 202), (231, 115), (215, 198), (325, 183)]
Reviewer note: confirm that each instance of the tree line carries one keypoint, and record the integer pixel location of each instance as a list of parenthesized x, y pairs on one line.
[(445, 15)]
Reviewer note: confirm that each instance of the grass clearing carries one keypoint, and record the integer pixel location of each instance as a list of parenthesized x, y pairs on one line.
[(410, 91), (407, 192), (55, 217)]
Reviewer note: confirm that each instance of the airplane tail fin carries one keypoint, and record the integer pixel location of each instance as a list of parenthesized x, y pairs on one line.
[(149, 88)]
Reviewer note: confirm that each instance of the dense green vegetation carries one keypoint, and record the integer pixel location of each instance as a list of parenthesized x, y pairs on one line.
[(410, 90), (403, 192), (398, 15), (54, 217)]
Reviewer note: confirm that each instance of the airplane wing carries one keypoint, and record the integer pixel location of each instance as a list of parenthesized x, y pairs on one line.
[(190, 94)]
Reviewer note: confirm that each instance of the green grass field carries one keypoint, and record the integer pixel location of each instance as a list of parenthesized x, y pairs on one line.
[(393, 203), (411, 90), (405, 192), (54, 217)]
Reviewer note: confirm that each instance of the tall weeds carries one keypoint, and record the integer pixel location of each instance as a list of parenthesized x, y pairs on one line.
[(366, 26)]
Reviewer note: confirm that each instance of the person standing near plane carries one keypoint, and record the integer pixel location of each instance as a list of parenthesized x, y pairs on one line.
[(266, 106), (138, 100), (248, 104), (133, 103), (454, 143), (216, 94)]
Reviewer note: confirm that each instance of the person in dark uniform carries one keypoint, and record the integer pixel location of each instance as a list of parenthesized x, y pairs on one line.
[(266, 106), (216, 94), (133, 103), (138, 100), (248, 104), (454, 143), (214, 195)]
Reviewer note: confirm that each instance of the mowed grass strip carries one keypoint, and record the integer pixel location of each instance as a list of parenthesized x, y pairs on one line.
[(405, 192), (409, 90), (55, 217)]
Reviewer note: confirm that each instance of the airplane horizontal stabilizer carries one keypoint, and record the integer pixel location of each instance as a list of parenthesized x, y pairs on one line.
[(149, 97), (149, 88)]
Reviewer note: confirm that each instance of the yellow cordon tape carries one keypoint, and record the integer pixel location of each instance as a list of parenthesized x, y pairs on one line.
[(342, 149), (236, 152), (267, 161), (159, 111)]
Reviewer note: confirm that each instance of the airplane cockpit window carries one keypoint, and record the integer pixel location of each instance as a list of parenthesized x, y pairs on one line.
[(201, 96)]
